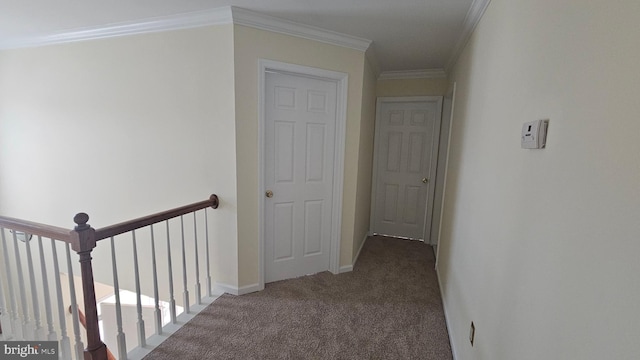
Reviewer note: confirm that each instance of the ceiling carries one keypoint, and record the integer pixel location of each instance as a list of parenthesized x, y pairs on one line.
[(407, 34)]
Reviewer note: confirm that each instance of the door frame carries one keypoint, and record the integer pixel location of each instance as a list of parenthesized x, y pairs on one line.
[(342, 81), (451, 93), (374, 181)]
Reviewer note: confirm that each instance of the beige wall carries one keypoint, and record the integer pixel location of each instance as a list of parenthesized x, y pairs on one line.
[(540, 247), (412, 87), (365, 159), (121, 128), (250, 45), (162, 120)]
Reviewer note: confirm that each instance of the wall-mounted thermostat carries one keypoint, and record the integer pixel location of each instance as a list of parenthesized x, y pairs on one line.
[(534, 134)]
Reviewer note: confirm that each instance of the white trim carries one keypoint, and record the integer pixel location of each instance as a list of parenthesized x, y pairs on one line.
[(413, 74), (446, 317), (342, 81), (216, 16), (247, 289), (221, 288), (430, 197), (348, 268), (194, 19), (265, 22), (476, 10), (355, 258), (446, 167), (428, 214)]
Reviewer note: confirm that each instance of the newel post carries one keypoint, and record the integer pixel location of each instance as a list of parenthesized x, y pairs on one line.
[(83, 240)]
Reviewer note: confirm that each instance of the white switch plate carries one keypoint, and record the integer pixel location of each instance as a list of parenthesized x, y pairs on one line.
[(534, 134)]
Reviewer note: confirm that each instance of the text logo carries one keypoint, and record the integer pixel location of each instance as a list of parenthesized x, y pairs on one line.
[(41, 350)]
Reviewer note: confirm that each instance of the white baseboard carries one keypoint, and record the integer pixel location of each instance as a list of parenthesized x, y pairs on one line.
[(355, 259), (347, 268), (221, 288), (446, 318)]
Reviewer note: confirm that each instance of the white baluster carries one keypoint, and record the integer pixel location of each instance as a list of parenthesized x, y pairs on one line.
[(39, 332), (78, 347), (142, 340), (27, 327), (65, 343), (195, 241), (121, 338), (206, 233), (5, 320), (157, 313), (172, 300), (51, 336), (14, 327), (185, 293)]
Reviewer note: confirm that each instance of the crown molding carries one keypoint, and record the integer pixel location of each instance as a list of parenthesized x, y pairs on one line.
[(218, 16), (370, 56), (476, 10), (188, 20), (265, 22), (413, 74)]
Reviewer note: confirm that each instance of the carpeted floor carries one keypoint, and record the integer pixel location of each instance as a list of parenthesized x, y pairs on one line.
[(389, 307)]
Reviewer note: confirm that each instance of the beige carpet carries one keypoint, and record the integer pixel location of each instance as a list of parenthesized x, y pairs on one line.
[(388, 308)]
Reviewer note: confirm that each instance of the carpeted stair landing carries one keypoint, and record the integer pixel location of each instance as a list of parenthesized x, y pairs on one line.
[(389, 307)]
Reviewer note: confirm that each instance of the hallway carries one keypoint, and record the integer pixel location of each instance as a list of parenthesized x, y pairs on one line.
[(389, 307)]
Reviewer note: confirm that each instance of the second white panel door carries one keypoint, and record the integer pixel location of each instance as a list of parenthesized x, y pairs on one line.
[(407, 134), (300, 122)]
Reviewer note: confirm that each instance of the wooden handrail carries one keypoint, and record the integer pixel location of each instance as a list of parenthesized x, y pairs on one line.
[(83, 322), (62, 234), (121, 228), (34, 228)]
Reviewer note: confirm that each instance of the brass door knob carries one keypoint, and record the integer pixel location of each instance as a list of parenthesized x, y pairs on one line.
[(269, 194), (425, 180)]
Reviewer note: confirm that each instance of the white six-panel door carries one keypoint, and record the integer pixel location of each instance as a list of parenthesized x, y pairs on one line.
[(300, 125), (407, 133)]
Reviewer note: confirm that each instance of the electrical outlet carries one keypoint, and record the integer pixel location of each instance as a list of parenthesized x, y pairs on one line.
[(472, 333)]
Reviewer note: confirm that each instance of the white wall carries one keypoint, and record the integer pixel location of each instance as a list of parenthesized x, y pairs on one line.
[(540, 247), (120, 128)]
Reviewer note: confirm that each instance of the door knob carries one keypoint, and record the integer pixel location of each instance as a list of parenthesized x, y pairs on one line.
[(269, 194), (425, 180)]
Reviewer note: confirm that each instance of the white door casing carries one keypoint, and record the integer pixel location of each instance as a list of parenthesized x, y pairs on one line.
[(302, 126), (405, 162), (449, 109)]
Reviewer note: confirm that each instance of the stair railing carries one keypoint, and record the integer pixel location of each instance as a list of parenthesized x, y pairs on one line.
[(24, 322)]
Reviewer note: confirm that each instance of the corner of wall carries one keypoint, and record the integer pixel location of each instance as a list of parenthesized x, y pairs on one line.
[(365, 158)]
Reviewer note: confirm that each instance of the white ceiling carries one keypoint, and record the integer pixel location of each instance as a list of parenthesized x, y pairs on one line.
[(407, 34)]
